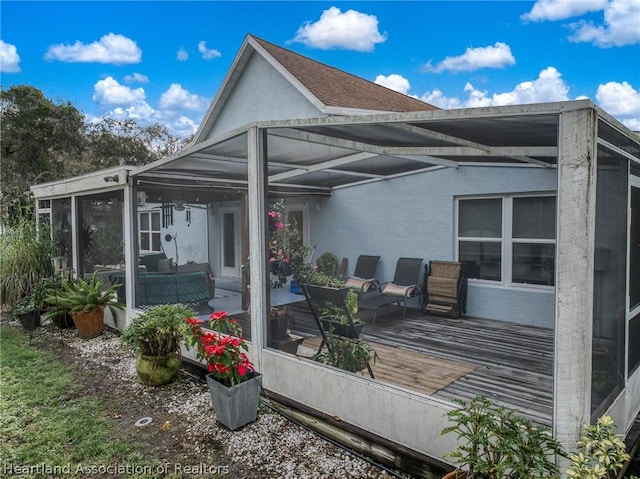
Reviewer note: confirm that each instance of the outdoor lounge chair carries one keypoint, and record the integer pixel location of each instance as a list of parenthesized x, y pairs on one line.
[(445, 289), (403, 287), (363, 279)]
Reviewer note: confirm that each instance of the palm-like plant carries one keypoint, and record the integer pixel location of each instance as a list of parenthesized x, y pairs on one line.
[(82, 295)]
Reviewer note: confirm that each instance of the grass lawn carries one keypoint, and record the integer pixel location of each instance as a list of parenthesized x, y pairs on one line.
[(50, 428)]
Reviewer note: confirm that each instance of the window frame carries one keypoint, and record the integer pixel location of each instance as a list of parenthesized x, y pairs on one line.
[(506, 240), (151, 231)]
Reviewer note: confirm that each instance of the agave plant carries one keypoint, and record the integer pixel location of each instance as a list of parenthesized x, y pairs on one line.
[(85, 295)]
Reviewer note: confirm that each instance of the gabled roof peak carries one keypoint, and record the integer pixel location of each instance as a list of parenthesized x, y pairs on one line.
[(337, 88)]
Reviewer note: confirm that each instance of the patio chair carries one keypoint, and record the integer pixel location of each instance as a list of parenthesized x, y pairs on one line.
[(403, 287), (363, 279), (445, 289)]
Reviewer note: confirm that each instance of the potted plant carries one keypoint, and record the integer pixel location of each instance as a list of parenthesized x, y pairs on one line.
[(334, 300), (51, 309), (496, 443), (345, 353), (26, 259), (281, 318), (326, 263), (28, 308), (601, 452), (155, 335), (86, 301), (233, 382)]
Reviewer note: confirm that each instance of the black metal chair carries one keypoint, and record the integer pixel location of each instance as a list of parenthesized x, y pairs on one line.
[(364, 276), (403, 287)]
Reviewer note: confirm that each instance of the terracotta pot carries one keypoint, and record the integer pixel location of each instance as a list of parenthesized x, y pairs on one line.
[(455, 475), (89, 324)]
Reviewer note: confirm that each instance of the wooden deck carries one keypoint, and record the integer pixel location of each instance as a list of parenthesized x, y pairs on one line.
[(508, 363)]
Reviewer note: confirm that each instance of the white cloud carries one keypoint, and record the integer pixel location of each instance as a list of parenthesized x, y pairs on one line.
[(549, 86), (492, 56), (110, 92), (136, 78), (560, 9), (122, 102), (350, 30), (395, 82), (9, 58), (112, 48), (622, 101), (177, 98), (207, 53), (183, 126), (182, 55), (141, 112), (437, 98), (621, 26)]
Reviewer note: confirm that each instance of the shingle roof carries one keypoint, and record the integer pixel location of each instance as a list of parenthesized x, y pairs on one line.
[(336, 88)]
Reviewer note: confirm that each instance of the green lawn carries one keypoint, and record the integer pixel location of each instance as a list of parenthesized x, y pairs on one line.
[(49, 428)]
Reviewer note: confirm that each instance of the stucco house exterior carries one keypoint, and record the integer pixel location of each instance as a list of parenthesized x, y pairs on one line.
[(540, 202)]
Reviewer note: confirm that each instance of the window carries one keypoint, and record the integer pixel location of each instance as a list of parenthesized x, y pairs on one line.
[(510, 239), (149, 230)]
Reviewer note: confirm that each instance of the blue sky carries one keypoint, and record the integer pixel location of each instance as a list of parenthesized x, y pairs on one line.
[(164, 61)]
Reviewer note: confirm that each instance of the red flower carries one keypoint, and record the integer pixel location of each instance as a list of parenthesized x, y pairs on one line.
[(218, 315), (221, 349)]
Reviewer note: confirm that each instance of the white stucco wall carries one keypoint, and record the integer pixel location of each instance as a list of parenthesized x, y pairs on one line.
[(191, 237), (414, 216), (262, 94)]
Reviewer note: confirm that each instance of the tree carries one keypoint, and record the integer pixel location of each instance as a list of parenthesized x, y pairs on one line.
[(45, 141), (37, 138)]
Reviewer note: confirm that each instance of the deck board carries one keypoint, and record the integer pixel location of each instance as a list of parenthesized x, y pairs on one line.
[(513, 363)]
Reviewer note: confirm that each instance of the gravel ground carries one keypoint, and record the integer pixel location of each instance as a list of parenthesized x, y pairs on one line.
[(184, 430)]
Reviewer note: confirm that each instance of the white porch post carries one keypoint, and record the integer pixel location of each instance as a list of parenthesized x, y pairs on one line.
[(75, 235), (130, 208), (574, 274), (257, 240)]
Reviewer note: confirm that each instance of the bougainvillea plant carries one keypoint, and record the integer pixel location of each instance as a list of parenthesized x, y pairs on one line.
[(287, 253), (222, 347)]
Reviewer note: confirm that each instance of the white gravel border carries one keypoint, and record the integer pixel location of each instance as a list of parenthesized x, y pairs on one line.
[(272, 446)]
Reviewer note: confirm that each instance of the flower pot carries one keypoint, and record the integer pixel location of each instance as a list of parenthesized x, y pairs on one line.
[(158, 370), (29, 320), (341, 329), (280, 327), (237, 405), (455, 475), (64, 322), (89, 324)]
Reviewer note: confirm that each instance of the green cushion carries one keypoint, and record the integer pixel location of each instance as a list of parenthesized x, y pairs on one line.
[(150, 261)]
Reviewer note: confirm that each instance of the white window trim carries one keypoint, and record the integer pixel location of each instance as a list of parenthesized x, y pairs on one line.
[(150, 231), (506, 240)]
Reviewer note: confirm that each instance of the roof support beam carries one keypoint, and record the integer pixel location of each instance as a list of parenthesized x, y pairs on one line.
[(438, 136), (342, 161)]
